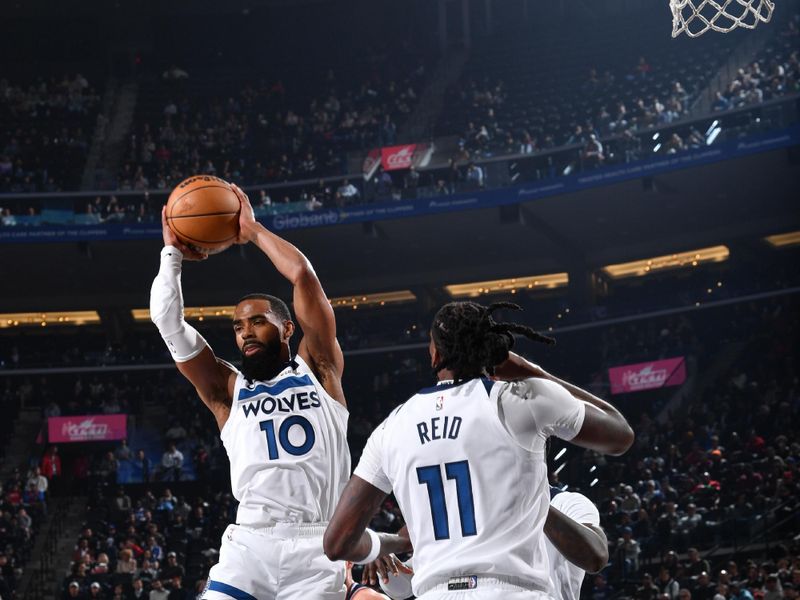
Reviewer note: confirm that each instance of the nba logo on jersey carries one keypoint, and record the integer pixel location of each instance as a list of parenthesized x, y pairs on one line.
[(440, 403)]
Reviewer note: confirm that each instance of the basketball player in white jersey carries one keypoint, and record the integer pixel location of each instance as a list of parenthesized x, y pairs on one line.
[(465, 459), (574, 541), (282, 419)]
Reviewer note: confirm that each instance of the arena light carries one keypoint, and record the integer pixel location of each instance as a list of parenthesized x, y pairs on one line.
[(200, 313), (505, 286), (45, 319), (354, 302), (690, 258), (782, 240)]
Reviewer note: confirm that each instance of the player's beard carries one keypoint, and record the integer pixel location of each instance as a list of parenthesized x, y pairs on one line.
[(265, 364)]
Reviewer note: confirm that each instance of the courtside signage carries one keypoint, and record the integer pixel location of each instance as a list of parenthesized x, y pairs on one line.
[(648, 375), (87, 428)]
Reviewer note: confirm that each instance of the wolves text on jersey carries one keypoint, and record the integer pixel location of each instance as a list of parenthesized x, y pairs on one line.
[(284, 404)]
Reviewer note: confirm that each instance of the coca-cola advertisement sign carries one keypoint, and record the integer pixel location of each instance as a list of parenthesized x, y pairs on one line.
[(397, 157), (87, 428), (648, 375)]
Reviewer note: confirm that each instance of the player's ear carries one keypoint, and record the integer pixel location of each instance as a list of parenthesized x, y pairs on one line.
[(288, 330)]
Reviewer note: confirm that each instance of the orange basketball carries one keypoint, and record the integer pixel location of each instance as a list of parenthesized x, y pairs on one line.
[(203, 211)]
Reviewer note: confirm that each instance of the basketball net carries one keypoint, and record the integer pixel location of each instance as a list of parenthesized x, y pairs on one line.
[(695, 17)]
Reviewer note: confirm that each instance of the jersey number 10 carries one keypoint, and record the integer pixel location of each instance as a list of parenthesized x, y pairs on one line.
[(432, 478), (283, 436)]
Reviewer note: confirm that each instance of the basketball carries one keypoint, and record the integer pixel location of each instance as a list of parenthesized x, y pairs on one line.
[(203, 211)]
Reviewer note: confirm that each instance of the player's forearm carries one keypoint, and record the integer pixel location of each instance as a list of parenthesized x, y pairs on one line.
[(166, 309), (393, 543), (290, 262), (618, 433), (583, 546)]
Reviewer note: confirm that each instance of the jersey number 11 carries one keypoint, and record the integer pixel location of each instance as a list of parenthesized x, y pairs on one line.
[(432, 478)]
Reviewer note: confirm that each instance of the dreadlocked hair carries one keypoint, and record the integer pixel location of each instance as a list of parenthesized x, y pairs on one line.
[(471, 343)]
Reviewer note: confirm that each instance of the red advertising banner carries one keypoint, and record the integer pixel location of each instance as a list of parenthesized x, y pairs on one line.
[(647, 375), (371, 163), (394, 158), (87, 428)]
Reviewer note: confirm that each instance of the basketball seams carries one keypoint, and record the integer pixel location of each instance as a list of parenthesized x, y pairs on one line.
[(208, 223), (196, 241), (213, 214), (202, 187)]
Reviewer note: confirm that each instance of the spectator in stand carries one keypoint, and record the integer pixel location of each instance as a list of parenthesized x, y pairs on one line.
[(739, 591), (411, 181), (475, 177), (123, 451), (171, 463), (172, 569), (772, 588), (647, 590), (600, 589), (643, 68), (704, 589), (158, 591), (137, 590), (38, 480), (629, 551), (592, 153), (126, 563), (96, 591), (142, 467), (666, 584), (73, 591), (674, 144), (51, 468), (697, 564), (348, 192)]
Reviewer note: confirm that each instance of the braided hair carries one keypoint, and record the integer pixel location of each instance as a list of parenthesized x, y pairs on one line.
[(471, 343)]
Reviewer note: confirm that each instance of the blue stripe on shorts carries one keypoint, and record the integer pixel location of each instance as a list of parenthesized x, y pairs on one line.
[(233, 592)]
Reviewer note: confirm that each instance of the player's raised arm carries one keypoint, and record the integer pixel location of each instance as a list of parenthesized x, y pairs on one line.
[(319, 346), (212, 379), (604, 428)]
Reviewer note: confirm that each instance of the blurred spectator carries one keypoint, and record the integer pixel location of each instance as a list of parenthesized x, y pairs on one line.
[(171, 463)]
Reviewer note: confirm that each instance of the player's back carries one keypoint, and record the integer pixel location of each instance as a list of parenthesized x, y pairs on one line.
[(474, 499), (286, 439)]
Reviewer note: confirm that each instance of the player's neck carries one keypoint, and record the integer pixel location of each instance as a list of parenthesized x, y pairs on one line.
[(445, 375)]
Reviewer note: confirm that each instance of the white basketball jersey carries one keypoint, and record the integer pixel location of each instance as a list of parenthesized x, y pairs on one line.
[(567, 578), (473, 488), (286, 439)]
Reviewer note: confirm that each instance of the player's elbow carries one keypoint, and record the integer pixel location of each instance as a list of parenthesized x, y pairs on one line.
[(623, 440), (302, 272), (334, 546), (618, 436), (597, 560)]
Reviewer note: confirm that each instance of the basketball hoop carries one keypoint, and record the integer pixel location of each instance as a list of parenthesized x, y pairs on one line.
[(695, 17)]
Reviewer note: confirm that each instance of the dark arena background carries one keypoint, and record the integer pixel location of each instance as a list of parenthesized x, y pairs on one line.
[(636, 194)]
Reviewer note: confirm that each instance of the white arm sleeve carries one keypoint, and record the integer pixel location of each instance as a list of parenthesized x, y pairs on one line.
[(166, 309), (370, 467), (537, 408)]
